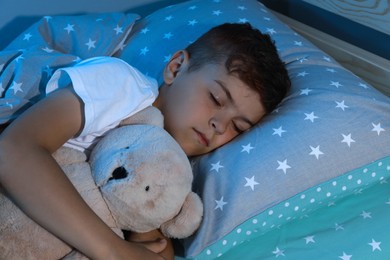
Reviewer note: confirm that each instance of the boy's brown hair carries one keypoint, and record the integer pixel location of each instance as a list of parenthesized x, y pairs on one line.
[(247, 53)]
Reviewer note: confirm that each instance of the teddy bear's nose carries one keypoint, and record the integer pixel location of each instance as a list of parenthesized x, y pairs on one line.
[(119, 173)]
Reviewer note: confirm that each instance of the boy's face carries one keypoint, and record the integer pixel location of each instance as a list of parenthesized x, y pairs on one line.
[(207, 108)]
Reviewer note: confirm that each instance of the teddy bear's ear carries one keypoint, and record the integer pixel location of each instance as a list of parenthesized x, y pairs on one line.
[(148, 116), (187, 221)]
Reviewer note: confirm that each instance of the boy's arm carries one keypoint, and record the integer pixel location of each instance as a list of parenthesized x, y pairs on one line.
[(39, 187)]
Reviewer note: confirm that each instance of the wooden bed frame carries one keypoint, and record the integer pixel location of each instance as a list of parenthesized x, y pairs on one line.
[(368, 66)]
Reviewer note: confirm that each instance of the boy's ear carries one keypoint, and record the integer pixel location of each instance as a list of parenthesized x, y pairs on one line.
[(177, 63)]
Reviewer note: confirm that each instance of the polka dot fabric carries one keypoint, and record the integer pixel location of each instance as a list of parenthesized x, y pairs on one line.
[(333, 206), (330, 124)]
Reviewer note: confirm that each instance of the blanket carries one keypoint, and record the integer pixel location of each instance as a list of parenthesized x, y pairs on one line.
[(28, 62)]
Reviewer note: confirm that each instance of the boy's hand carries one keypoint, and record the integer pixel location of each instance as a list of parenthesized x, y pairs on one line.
[(154, 240)]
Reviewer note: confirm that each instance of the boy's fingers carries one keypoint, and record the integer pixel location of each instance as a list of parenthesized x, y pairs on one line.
[(156, 246)]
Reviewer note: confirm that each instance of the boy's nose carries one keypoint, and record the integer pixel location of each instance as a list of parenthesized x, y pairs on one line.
[(218, 125)]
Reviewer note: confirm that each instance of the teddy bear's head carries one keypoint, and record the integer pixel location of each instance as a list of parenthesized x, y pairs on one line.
[(146, 180)]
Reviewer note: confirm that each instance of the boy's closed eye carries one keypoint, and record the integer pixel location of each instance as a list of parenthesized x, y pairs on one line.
[(215, 99)]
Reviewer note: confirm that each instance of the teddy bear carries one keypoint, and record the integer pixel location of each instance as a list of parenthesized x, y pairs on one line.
[(136, 178)]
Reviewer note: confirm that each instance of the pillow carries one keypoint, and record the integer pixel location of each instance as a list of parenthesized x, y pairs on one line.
[(331, 122), (85, 36)]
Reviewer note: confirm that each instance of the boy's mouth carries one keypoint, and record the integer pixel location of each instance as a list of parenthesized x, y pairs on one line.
[(202, 138)]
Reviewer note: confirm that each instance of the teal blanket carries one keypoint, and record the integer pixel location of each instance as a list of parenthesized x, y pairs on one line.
[(345, 218)]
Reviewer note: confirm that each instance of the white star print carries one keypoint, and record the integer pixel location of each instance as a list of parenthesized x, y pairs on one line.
[(278, 252), (27, 37), (144, 50), (375, 245), (118, 29), (363, 85), (310, 116), (1, 88), (145, 30), (283, 166), (69, 28), (47, 49), (347, 139), (338, 227), (270, 31), (302, 74), (192, 22), (309, 239), (192, 7), (297, 43), (366, 214), (251, 182), (90, 44), (168, 18), (216, 166), (377, 128), (316, 151), (341, 105), (47, 18), (168, 35), (48, 71), (217, 12), (330, 70), (345, 256), (167, 58), (326, 58), (243, 20), (220, 204), (278, 131), (305, 91), (247, 148), (336, 84), (301, 60), (242, 8), (19, 58), (16, 87)]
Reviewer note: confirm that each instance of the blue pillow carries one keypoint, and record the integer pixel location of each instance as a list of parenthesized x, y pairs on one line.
[(331, 122)]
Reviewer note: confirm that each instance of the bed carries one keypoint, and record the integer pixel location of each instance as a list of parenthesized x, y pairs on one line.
[(310, 181)]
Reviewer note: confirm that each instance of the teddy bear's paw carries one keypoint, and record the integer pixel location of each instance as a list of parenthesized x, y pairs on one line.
[(187, 221)]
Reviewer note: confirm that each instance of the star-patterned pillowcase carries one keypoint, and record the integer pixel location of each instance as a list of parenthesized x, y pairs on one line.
[(85, 36), (330, 123)]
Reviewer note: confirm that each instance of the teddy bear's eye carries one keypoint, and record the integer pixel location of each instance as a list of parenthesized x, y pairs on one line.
[(147, 188), (119, 173)]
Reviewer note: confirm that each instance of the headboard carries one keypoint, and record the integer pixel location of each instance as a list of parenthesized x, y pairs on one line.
[(357, 36)]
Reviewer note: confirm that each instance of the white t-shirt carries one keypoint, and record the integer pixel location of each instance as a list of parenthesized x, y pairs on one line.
[(111, 91)]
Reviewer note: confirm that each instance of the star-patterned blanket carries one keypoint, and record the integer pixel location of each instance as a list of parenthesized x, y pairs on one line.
[(54, 42)]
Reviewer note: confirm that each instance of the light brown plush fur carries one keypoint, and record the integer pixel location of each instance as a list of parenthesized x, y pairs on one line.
[(137, 178)]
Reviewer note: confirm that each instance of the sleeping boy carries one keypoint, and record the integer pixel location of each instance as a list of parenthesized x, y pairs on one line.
[(217, 88)]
